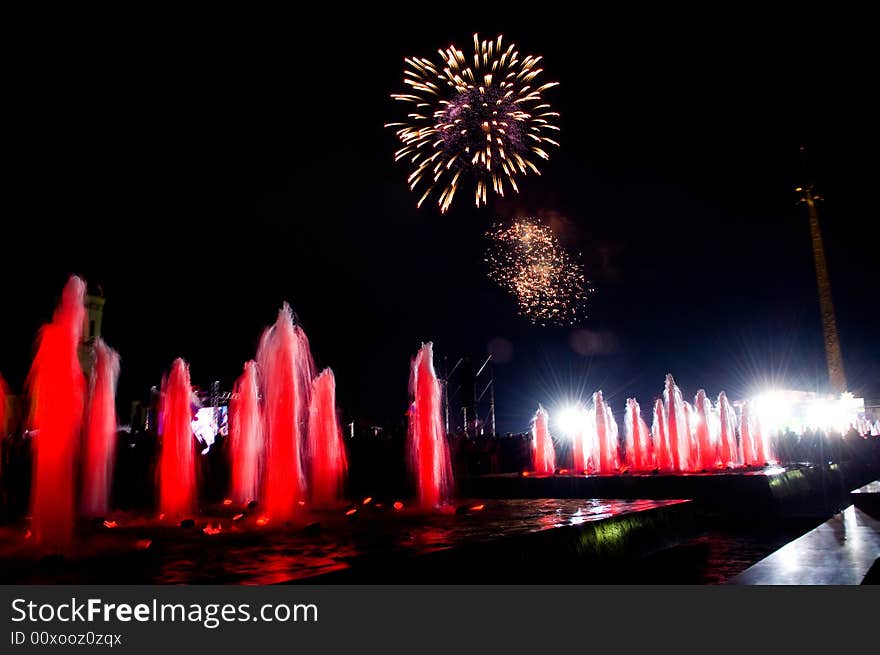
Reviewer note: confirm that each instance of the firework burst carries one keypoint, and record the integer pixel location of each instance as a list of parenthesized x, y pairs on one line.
[(526, 259), (482, 119)]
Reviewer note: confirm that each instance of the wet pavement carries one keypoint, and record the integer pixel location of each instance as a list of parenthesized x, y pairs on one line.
[(838, 552)]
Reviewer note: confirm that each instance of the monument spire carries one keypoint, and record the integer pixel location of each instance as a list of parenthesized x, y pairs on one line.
[(836, 375)]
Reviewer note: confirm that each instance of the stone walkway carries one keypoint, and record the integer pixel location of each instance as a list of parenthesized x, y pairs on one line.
[(838, 552)]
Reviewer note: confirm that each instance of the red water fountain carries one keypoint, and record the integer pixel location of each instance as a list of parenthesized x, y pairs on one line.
[(100, 436), (728, 450), (245, 437), (177, 473), (639, 451), (579, 442), (325, 450), (704, 432), (543, 452), (747, 435), (662, 451), (4, 391), (677, 435), (690, 421), (57, 391), (428, 452), (606, 452), (755, 449), (286, 372)]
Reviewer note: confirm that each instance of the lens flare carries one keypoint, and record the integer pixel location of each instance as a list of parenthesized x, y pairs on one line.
[(526, 259), (482, 118)]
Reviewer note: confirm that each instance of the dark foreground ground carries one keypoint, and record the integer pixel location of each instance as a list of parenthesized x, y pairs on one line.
[(716, 555)]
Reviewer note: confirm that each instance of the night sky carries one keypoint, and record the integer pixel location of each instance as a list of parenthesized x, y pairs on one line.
[(203, 168)]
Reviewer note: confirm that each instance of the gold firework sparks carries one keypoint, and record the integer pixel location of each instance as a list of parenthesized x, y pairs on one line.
[(526, 259), (482, 118)]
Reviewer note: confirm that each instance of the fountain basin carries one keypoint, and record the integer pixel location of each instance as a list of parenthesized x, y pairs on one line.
[(507, 540), (768, 491)]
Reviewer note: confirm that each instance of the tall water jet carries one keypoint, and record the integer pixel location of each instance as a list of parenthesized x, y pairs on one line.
[(57, 391), (747, 435), (245, 437), (177, 459), (607, 447), (100, 435), (662, 450), (286, 372), (728, 450), (428, 453), (677, 434), (4, 391), (325, 450), (760, 434), (543, 453), (639, 455), (579, 442), (703, 425), (690, 420)]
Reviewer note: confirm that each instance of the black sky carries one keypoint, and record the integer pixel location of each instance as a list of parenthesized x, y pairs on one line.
[(204, 167)]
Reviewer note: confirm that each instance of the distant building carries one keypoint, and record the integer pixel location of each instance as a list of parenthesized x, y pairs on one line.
[(91, 331)]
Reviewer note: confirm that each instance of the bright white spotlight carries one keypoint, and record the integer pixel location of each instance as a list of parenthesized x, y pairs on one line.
[(570, 420), (779, 410)]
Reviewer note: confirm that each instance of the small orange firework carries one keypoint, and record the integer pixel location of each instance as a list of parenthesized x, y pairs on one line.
[(526, 259)]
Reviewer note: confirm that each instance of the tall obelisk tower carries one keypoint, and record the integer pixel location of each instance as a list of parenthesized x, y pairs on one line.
[(836, 375)]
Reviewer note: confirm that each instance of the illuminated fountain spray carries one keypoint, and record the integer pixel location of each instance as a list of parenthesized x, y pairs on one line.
[(753, 437), (325, 449), (4, 391), (727, 446), (678, 436), (543, 452), (762, 447), (705, 431), (580, 434), (690, 420), (57, 391), (428, 453), (639, 452), (687, 438), (246, 437), (746, 438), (100, 435), (286, 372), (662, 451), (177, 459), (606, 449)]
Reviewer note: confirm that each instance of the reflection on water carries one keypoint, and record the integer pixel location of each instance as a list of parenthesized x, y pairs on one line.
[(239, 551)]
